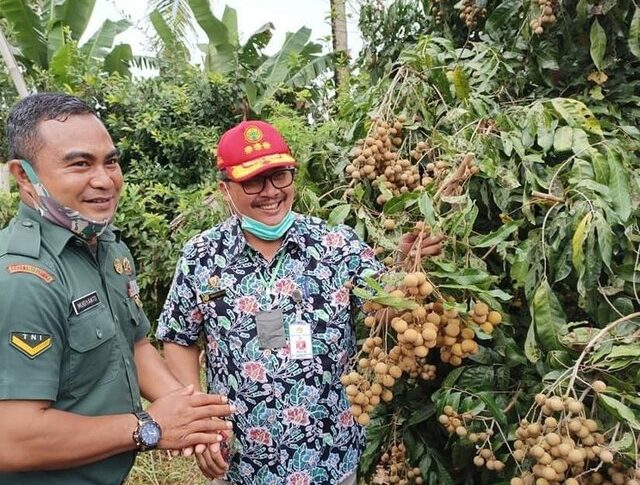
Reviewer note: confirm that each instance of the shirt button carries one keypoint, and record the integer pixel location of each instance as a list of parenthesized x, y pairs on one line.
[(98, 333), (27, 223)]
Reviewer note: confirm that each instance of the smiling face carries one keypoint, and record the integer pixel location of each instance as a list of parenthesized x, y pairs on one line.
[(79, 165), (268, 206)]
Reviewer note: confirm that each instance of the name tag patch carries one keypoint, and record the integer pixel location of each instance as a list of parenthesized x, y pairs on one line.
[(30, 269), (211, 295), (30, 344), (85, 303)]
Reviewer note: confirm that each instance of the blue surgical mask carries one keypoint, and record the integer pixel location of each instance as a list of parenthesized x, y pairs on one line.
[(61, 215), (260, 229), (265, 231)]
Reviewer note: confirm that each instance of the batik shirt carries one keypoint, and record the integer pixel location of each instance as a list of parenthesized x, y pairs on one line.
[(292, 425)]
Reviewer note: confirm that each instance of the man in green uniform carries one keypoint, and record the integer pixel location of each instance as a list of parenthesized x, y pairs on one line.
[(74, 359)]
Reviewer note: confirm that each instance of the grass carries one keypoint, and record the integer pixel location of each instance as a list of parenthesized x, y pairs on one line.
[(157, 468)]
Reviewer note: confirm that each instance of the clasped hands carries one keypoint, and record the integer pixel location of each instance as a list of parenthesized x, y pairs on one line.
[(190, 422)]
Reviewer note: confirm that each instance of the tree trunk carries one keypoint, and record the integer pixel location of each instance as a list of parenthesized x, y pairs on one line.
[(340, 45), (12, 66)]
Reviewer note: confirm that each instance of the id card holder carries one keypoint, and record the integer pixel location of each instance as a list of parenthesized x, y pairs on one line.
[(300, 343), (271, 329)]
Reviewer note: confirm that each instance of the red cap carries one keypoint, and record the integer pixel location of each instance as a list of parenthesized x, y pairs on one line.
[(251, 148)]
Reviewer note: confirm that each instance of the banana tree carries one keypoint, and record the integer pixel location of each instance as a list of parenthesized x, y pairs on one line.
[(296, 65), (47, 38)]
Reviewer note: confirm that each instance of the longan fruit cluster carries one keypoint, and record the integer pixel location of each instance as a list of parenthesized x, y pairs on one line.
[(547, 16), (436, 11), (451, 179), (487, 459), (394, 468), (562, 446), (378, 157), (486, 318), (363, 395), (470, 13)]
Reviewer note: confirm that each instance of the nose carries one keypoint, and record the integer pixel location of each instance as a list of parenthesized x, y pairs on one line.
[(269, 188), (101, 178)]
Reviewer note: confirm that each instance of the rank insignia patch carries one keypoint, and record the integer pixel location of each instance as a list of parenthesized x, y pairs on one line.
[(30, 269), (31, 344), (117, 265), (126, 266)]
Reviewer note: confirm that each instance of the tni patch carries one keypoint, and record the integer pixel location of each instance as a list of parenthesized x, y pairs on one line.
[(31, 344)]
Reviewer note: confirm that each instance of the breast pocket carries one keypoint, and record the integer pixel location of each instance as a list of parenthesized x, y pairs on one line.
[(91, 339)]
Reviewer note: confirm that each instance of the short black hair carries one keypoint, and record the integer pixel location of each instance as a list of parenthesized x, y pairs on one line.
[(22, 122)]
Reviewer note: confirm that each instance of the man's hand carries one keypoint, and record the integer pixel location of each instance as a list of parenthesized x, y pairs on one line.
[(413, 244), (211, 462), (185, 418)]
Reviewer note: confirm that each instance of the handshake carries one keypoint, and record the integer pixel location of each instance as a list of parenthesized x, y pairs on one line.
[(190, 423)]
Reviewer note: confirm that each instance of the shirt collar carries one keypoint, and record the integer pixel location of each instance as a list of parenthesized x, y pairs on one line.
[(57, 236)]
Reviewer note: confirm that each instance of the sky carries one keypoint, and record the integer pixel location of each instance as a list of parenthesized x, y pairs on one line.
[(286, 15)]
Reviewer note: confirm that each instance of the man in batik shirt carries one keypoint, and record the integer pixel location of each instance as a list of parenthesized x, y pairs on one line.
[(267, 290)]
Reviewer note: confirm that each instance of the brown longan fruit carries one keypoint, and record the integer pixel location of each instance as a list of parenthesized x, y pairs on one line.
[(363, 419), (598, 386), (481, 308), (495, 318)]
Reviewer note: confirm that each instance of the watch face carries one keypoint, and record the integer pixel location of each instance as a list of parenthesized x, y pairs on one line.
[(150, 434)]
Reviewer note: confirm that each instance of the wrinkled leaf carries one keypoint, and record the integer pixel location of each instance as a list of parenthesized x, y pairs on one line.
[(634, 34), (547, 316), (620, 410), (339, 214)]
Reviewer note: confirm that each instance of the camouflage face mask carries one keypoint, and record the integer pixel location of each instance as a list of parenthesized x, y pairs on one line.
[(61, 215)]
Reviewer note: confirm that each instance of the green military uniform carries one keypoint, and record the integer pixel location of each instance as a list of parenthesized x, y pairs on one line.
[(68, 323)]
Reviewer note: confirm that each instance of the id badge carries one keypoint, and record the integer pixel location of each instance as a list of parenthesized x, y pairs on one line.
[(300, 344), (271, 329)]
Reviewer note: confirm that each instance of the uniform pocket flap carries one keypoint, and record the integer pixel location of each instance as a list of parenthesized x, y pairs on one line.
[(91, 329)]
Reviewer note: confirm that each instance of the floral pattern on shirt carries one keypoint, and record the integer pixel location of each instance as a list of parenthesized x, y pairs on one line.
[(292, 423)]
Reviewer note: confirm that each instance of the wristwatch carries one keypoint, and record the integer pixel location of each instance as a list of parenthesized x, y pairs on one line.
[(148, 433)]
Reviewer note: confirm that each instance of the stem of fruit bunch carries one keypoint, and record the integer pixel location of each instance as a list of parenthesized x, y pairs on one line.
[(590, 345)]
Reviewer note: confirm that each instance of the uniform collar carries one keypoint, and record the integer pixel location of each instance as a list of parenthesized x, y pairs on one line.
[(238, 242), (57, 236)]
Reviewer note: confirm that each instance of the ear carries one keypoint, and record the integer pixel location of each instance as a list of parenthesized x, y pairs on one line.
[(26, 187), (224, 189)]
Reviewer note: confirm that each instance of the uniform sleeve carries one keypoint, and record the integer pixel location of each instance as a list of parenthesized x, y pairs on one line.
[(180, 321), (33, 314)]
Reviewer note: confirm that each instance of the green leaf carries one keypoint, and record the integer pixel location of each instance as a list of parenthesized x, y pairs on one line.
[(119, 60), (421, 414), (492, 406), (500, 16), (634, 34), (60, 62), (497, 236), (400, 203), (216, 31), (28, 30), (547, 316), (620, 411), (580, 144), (426, 208), (577, 242), (563, 139), (100, 43), (460, 82), (577, 115), (75, 14), (167, 35), (339, 214), (619, 185), (598, 39), (605, 239)]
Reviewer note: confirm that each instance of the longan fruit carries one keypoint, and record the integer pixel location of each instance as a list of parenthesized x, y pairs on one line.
[(598, 386), (363, 419), (481, 308), (487, 328), (495, 318), (410, 280), (469, 346)]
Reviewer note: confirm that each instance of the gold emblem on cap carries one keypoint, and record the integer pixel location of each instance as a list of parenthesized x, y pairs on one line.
[(253, 134), (117, 265), (126, 265), (257, 147), (248, 149), (266, 145)]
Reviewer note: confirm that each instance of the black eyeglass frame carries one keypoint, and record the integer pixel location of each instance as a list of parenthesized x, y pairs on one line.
[(264, 178)]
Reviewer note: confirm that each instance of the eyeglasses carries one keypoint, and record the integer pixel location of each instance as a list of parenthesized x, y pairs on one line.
[(280, 179)]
